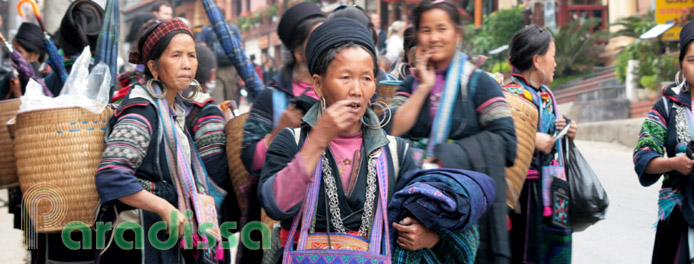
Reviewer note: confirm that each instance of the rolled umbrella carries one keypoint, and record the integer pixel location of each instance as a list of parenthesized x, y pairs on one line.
[(233, 48), (107, 43), (24, 68), (55, 60)]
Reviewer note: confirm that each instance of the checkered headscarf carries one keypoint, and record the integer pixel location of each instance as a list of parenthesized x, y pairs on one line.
[(140, 55)]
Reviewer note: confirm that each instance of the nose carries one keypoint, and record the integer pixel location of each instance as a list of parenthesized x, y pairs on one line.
[(356, 90), (187, 63)]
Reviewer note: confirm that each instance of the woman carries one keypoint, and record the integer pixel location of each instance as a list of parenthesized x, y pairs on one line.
[(665, 131), (469, 128), (278, 108), (341, 58), (150, 170), (401, 68), (396, 34), (29, 42), (536, 238)]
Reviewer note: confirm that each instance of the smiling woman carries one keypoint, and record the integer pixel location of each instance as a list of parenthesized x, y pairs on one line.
[(150, 162)]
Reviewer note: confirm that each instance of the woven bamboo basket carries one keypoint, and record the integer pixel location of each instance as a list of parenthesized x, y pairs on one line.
[(58, 151), (385, 93), (237, 172), (525, 121), (8, 165)]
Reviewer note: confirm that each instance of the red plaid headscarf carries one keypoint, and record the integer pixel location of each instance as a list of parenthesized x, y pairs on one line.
[(160, 31)]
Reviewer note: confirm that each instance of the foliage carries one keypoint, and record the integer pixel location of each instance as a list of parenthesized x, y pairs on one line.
[(576, 48), (655, 66), (503, 67), (247, 20), (496, 30), (634, 26)]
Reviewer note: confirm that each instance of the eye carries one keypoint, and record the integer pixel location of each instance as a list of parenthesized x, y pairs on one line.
[(367, 79)]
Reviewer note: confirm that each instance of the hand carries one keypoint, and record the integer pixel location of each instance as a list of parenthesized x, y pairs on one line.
[(412, 235), (180, 218), (682, 164), (290, 118), (337, 118), (544, 142), (15, 87), (425, 71), (561, 123)]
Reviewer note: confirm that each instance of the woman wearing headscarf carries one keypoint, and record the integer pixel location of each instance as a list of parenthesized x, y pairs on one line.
[(536, 236), (29, 42), (666, 131), (79, 28), (457, 117), (151, 170), (341, 137), (402, 67)]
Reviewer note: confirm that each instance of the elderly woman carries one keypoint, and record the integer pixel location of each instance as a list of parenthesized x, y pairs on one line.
[(457, 116), (151, 170), (664, 140)]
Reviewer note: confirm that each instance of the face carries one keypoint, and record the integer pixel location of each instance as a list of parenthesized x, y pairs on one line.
[(28, 56), (349, 76), (165, 13), (688, 65), (438, 35), (177, 65), (376, 20), (547, 64)]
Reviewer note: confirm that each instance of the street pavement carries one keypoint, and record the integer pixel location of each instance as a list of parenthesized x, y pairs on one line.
[(625, 236)]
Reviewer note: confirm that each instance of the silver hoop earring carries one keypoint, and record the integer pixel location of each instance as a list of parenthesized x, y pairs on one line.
[(194, 92), (544, 76), (386, 112), (322, 105), (677, 78), (533, 83), (150, 89)]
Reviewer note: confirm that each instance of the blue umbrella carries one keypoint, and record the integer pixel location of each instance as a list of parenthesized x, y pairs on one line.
[(233, 48), (107, 44), (55, 60)]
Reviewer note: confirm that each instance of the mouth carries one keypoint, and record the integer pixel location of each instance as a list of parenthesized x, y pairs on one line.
[(355, 106)]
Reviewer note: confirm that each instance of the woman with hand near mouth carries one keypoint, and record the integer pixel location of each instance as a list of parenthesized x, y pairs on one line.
[(342, 139), (456, 116)]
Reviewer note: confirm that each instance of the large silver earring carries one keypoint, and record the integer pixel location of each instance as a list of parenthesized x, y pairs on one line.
[(533, 83), (544, 76), (194, 92), (322, 105), (387, 115), (149, 89)]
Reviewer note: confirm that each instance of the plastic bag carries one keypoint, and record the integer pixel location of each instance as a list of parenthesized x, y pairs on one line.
[(589, 200), (82, 89)]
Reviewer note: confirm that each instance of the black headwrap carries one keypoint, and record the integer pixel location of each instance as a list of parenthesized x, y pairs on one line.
[(333, 33), (293, 16), (686, 36), (30, 37), (80, 26)]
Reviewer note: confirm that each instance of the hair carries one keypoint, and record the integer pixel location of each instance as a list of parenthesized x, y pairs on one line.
[(301, 33), (359, 14), (252, 57), (327, 57), (684, 49), (159, 47), (409, 41), (159, 4), (137, 23), (207, 61), (395, 27), (526, 43), (447, 7)]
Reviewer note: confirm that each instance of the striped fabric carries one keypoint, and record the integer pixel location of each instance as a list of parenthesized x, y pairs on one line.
[(127, 144), (208, 134), (107, 43), (493, 109)]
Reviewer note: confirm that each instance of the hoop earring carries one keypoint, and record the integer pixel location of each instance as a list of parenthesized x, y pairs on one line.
[(387, 115), (544, 77), (322, 105), (533, 83), (194, 93), (150, 90)]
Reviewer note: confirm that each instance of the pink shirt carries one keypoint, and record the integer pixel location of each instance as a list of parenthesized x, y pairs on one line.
[(290, 183)]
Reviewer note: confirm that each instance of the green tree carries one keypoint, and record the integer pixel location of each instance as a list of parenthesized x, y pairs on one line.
[(576, 48)]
